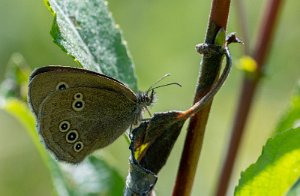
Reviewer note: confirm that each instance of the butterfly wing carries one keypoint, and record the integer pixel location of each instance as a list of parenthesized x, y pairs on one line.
[(46, 80), (76, 121)]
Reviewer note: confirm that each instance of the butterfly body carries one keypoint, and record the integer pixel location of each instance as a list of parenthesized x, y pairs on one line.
[(79, 111)]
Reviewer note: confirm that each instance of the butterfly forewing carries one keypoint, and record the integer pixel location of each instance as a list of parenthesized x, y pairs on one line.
[(46, 80)]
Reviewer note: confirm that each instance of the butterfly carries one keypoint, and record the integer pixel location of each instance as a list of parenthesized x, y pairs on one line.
[(79, 111)]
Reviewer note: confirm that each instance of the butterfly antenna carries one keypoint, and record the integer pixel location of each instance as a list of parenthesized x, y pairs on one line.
[(152, 87), (173, 83), (158, 81)]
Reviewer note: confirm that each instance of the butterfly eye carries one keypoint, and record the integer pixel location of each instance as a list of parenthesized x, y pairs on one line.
[(78, 146), (62, 86), (64, 126), (78, 105), (78, 96), (72, 136)]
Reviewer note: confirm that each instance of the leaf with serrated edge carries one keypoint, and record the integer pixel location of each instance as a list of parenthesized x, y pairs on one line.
[(291, 118), (276, 170), (86, 31)]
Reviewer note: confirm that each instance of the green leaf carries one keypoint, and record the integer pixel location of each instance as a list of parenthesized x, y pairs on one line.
[(91, 177), (16, 78), (291, 118), (21, 112), (276, 170), (220, 37), (295, 190), (86, 31)]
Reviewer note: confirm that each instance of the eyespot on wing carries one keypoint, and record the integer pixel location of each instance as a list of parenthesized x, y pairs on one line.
[(106, 115)]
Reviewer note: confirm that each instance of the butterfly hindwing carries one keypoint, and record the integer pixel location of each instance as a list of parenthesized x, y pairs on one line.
[(89, 117)]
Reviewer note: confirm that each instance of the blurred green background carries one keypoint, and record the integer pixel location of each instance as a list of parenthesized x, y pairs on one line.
[(161, 36)]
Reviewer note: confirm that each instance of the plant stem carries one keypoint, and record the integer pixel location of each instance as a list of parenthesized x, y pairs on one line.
[(210, 67), (248, 91), (242, 23)]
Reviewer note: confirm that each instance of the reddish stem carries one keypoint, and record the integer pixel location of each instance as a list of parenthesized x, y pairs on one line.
[(248, 91), (208, 75)]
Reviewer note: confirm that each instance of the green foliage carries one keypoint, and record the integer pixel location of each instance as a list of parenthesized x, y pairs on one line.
[(295, 190), (19, 109), (92, 177), (278, 168), (16, 78), (86, 31), (220, 38), (291, 117)]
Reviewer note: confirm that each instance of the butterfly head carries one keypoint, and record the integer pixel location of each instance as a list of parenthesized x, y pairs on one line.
[(146, 99)]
